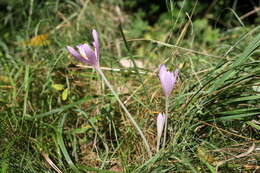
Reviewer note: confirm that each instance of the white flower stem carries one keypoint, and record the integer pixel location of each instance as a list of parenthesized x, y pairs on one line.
[(158, 141), (126, 111), (166, 118)]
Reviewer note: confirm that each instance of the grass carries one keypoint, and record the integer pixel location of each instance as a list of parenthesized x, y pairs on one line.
[(56, 116)]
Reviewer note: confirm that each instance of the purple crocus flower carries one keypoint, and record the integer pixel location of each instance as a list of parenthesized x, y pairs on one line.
[(168, 79), (85, 53)]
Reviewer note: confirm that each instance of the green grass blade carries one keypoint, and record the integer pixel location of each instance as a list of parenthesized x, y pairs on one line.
[(231, 71), (253, 125), (60, 109), (239, 111), (237, 117), (63, 147), (248, 51), (26, 89), (5, 160), (241, 99)]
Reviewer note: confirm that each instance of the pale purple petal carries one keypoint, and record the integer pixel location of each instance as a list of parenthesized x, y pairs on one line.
[(168, 79), (85, 53), (96, 43), (88, 54), (74, 53), (160, 123)]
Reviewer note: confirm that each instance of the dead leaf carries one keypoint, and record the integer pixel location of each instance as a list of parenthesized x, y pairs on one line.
[(116, 168), (39, 40), (50, 162), (250, 150)]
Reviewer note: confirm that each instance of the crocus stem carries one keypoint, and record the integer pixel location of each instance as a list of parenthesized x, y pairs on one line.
[(158, 142), (166, 118), (126, 111)]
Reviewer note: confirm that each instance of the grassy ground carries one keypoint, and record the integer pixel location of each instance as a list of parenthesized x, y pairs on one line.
[(56, 115)]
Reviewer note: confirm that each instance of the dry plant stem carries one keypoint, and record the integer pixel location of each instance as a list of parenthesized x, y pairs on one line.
[(126, 111), (166, 118), (175, 46)]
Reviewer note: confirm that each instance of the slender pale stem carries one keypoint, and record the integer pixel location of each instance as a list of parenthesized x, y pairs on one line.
[(158, 144), (126, 111), (158, 141), (166, 118)]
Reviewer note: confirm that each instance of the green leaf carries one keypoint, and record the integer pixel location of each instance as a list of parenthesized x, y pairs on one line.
[(252, 124), (232, 69), (63, 147), (248, 51), (236, 117), (247, 98), (239, 111)]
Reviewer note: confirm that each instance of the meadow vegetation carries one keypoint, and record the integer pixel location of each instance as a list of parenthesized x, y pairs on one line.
[(57, 114)]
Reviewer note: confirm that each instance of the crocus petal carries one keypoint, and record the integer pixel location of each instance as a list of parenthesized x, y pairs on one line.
[(168, 79), (88, 54), (96, 43), (85, 52), (160, 124), (74, 53)]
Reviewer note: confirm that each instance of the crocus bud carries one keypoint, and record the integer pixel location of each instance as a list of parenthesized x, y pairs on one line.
[(160, 124)]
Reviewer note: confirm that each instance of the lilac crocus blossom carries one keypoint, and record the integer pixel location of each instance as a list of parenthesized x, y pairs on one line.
[(90, 56), (85, 53), (168, 79)]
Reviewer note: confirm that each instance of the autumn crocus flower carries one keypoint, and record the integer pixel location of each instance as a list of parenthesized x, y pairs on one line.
[(167, 79), (85, 53), (89, 56), (160, 124)]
